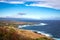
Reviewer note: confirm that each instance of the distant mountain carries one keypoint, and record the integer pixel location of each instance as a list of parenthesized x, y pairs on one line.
[(20, 19), (26, 19)]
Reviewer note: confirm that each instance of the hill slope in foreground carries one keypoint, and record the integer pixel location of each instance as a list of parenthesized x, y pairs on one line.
[(11, 33)]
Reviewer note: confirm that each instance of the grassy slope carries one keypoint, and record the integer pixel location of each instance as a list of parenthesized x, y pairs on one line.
[(11, 33)]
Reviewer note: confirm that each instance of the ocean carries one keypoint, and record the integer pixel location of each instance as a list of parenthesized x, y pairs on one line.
[(52, 27)]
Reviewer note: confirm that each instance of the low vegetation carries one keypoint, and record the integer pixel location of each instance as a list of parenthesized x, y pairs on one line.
[(10, 32)]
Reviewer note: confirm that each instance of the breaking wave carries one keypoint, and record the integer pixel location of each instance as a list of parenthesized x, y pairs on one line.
[(40, 24), (40, 32)]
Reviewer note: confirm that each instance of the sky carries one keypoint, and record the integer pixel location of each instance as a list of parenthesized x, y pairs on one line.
[(36, 9)]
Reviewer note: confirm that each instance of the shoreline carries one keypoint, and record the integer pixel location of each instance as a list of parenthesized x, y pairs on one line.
[(38, 32), (26, 34), (12, 24)]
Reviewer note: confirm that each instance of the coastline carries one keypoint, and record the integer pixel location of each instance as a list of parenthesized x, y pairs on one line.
[(35, 34), (23, 34), (39, 32)]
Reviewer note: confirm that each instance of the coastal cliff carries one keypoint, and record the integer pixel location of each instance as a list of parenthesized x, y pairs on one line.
[(12, 33)]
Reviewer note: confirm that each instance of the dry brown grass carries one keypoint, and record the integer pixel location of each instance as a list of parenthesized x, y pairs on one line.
[(11, 33)]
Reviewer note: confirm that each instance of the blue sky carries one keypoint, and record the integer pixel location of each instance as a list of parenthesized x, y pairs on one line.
[(25, 9)]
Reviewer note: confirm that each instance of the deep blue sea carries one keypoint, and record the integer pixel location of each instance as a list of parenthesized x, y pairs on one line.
[(52, 27)]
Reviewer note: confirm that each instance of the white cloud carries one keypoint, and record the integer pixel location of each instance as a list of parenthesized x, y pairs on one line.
[(15, 2), (12, 2), (48, 3), (41, 3)]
